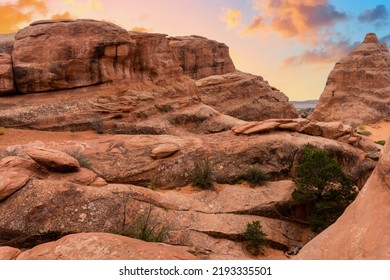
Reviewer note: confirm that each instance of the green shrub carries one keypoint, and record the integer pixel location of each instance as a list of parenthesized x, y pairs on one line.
[(323, 188), (255, 238), (255, 176), (154, 182), (381, 142), (202, 175), (364, 132), (146, 227)]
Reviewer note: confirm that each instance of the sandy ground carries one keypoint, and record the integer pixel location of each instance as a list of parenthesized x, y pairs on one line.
[(13, 136), (379, 130)]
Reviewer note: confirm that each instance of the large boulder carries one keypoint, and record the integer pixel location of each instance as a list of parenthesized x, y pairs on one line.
[(53, 159), (200, 57), (362, 232), (12, 180), (357, 90), (62, 54), (104, 246), (6, 74), (245, 96)]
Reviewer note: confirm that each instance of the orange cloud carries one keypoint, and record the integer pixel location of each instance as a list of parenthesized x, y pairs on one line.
[(232, 17), (12, 15), (139, 29), (328, 52), (301, 19), (65, 15), (256, 26)]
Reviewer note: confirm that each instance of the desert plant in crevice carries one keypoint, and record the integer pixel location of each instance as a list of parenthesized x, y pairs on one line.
[(255, 176), (255, 238), (146, 226), (202, 175), (322, 187)]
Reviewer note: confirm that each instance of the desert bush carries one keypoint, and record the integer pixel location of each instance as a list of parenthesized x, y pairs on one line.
[(381, 142), (255, 176), (2, 132), (154, 182), (364, 132), (255, 238), (202, 175), (146, 227), (323, 188)]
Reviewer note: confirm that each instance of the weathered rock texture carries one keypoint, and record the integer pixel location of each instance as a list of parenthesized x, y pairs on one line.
[(104, 246), (358, 88), (200, 57), (6, 74), (57, 55), (245, 96), (7, 43), (9, 253), (363, 231), (127, 159), (55, 160)]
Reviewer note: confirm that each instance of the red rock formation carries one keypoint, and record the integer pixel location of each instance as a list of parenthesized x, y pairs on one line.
[(105, 246), (6, 74), (200, 57), (245, 96), (357, 90), (362, 232)]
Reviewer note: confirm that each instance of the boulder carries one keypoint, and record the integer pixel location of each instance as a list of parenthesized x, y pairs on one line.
[(104, 246), (200, 57), (357, 89), (362, 232), (53, 159), (11, 180), (6, 74), (163, 151), (245, 96), (9, 253)]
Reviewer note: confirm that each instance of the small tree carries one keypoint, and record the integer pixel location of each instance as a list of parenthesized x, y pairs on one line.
[(322, 187), (255, 238), (202, 176)]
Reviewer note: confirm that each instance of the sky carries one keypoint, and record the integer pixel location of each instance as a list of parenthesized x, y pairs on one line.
[(293, 44)]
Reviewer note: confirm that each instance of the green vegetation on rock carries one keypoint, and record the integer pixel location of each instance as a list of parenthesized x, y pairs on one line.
[(323, 188)]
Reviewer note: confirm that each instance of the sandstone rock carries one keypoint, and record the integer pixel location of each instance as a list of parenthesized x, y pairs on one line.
[(7, 43), (357, 88), (163, 151), (83, 53), (200, 57), (245, 96), (6, 74), (98, 182), (262, 127), (12, 180), (15, 161), (104, 246), (54, 160), (362, 231), (126, 159), (9, 253), (198, 220)]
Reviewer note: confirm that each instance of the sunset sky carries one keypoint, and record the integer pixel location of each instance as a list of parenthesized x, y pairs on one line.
[(293, 44)]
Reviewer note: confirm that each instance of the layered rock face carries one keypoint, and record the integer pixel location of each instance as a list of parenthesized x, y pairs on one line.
[(358, 88), (245, 96), (57, 55), (200, 57), (362, 232), (231, 92), (6, 74)]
